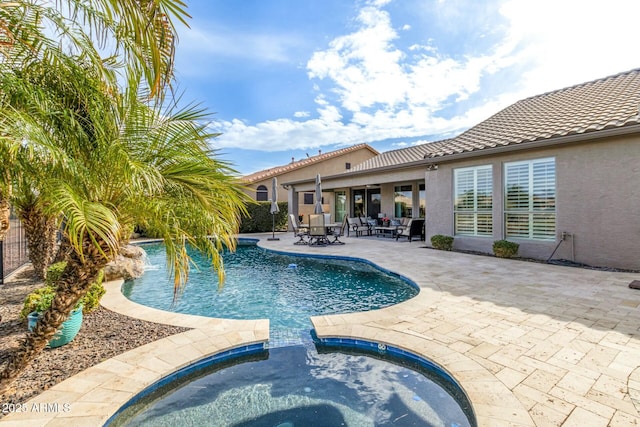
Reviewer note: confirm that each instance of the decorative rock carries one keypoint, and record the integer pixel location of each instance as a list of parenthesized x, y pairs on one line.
[(131, 251), (129, 264)]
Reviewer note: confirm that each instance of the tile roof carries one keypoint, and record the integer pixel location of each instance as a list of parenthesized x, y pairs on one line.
[(278, 170), (397, 157), (607, 103), (610, 102)]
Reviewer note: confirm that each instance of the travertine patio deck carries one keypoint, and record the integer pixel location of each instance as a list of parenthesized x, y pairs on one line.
[(531, 344)]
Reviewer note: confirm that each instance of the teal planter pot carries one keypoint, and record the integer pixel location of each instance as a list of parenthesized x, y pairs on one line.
[(67, 331)]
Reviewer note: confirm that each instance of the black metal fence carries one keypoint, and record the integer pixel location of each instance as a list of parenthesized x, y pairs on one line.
[(13, 250)]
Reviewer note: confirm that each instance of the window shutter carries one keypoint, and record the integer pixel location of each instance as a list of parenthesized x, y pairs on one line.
[(473, 201), (530, 199)]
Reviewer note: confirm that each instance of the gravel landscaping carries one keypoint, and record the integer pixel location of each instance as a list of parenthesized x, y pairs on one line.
[(104, 334)]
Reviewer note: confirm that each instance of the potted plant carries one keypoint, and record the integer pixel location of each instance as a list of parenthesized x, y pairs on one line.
[(39, 301)]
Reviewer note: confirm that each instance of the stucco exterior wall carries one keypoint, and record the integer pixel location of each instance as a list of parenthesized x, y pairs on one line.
[(597, 202), (331, 166)]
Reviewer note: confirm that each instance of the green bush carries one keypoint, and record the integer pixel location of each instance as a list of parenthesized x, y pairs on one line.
[(505, 249), (259, 220), (54, 273), (40, 299), (91, 300), (442, 242)]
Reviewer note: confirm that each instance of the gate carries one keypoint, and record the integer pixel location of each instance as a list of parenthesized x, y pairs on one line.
[(13, 249)]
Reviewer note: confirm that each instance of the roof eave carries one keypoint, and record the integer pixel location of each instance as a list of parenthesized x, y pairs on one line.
[(359, 172)]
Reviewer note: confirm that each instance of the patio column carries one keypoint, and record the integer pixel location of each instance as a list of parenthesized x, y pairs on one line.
[(292, 202)]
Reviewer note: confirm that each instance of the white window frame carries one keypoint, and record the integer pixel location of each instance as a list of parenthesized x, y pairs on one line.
[(480, 218), (535, 222)]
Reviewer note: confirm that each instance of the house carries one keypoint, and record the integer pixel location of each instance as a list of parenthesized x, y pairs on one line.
[(558, 173), (259, 184)]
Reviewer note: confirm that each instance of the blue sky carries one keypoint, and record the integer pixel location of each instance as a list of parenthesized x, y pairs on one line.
[(286, 78)]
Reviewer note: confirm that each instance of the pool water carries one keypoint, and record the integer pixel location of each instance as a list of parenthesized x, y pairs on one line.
[(260, 284), (305, 386)]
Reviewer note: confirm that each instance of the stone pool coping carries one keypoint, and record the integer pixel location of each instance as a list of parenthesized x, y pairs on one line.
[(97, 393), (531, 344)]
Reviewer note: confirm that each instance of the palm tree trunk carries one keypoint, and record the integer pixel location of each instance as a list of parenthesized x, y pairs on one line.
[(76, 279), (40, 230), (5, 206), (5, 217)]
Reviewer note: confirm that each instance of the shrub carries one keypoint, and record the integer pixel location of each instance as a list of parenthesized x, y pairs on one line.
[(91, 300), (54, 273), (40, 299), (505, 249), (442, 242), (259, 220)]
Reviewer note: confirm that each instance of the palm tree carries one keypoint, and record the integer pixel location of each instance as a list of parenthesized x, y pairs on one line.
[(40, 229), (138, 34), (113, 161), (100, 160)]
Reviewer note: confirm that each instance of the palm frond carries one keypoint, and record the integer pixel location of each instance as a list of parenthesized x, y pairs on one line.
[(85, 220)]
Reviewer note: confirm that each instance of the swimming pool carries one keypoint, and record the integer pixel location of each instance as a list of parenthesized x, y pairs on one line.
[(304, 386), (260, 284), (293, 383)]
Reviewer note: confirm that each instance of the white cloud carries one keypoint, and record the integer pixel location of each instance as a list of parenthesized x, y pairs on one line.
[(379, 3), (364, 66), (573, 41), (301, 114), (382, 92), (283, 134), (368, 89)]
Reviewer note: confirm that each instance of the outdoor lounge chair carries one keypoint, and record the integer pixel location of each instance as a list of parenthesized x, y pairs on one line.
[(415, 228), (317, 230), (299, 231)]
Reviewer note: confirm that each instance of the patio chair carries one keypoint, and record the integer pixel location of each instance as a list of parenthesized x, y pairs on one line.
[(369, 223), (299, 231), (336, 233), (414, 228), (356, 226), (317, 230)]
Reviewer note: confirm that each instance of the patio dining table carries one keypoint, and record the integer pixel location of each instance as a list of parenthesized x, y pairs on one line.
[(320, 240)]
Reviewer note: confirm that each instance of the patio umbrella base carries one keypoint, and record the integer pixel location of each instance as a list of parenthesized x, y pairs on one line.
[(273, 238)]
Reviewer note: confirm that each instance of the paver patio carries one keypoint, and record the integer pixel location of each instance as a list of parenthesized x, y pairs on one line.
[(530, 343)]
